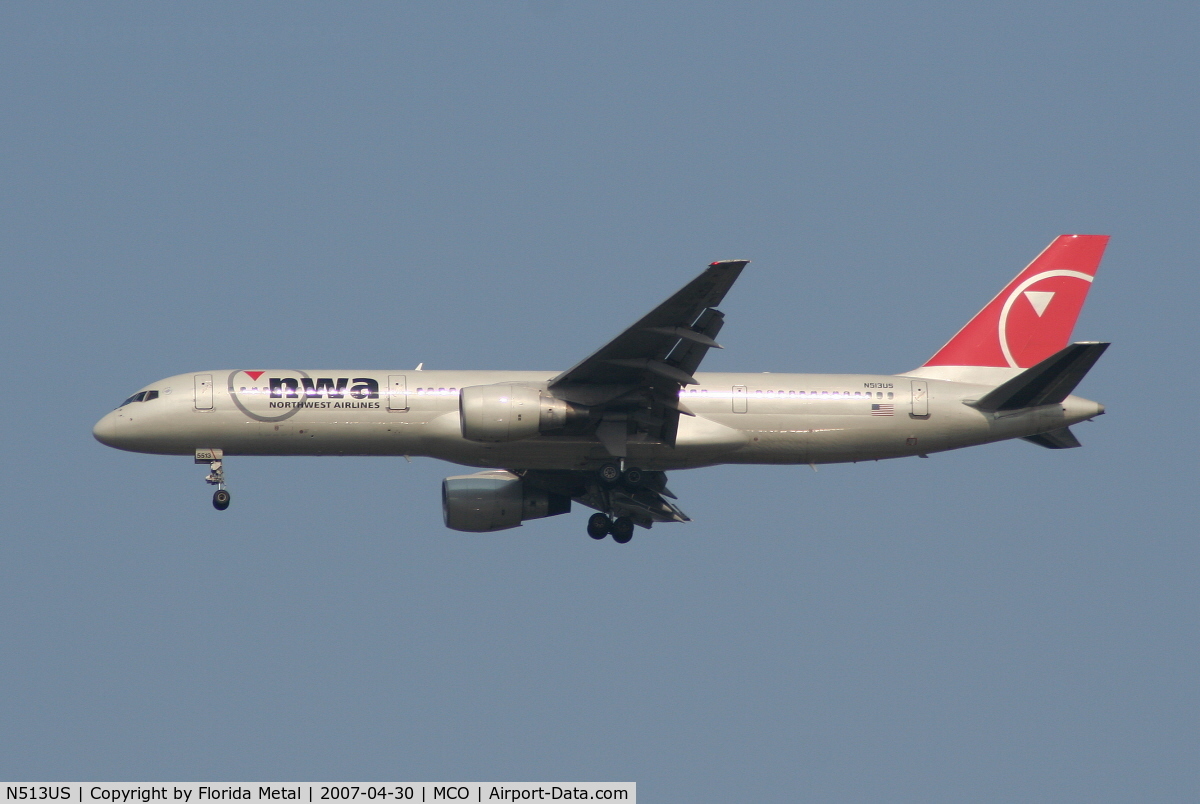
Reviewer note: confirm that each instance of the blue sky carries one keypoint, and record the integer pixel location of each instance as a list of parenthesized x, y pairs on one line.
[(507, 185)]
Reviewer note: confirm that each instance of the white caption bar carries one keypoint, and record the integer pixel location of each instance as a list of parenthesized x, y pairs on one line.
[(320, 793)]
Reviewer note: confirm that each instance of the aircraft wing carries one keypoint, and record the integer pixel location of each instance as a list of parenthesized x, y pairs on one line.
[(634, 379), (644, 505)]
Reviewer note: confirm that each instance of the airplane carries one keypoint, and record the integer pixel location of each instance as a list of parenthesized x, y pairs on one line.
[(604, 432)]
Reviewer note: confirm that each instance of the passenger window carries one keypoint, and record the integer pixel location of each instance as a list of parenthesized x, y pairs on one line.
[(889, 394)]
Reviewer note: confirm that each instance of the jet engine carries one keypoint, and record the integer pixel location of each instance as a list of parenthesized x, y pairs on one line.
[(507, 412), (495, 500)]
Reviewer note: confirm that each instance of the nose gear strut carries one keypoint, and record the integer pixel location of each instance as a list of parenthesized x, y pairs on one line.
[(216, 476)]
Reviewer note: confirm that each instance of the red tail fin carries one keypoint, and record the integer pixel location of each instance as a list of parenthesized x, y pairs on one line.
[(1032, 318)]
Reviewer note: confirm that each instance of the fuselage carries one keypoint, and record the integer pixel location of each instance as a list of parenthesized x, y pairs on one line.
[(763, 418)]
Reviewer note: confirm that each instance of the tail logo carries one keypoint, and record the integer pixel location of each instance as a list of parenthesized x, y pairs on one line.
[(1039, 299)]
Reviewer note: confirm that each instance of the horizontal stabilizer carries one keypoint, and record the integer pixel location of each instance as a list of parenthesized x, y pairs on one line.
[(1062, 438), (1047, 383)]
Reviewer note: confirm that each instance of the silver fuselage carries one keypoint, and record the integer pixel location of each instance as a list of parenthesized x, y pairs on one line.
[(761, 418)]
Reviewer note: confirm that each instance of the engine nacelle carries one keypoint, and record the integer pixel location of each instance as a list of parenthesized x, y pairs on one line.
[(495, 500), (507, 412)]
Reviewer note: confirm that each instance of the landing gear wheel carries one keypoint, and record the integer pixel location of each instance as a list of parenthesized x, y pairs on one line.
[(598, 526), (634, 477), (216, 477), (622, 530), (610, 473)]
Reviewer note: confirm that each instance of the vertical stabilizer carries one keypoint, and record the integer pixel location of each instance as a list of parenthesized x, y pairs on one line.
[(1033, 316)]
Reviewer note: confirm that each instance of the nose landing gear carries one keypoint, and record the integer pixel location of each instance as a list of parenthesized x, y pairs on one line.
[(216, 476)]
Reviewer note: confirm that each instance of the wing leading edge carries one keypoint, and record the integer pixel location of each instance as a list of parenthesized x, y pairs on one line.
[(668, 342), (632, 383)]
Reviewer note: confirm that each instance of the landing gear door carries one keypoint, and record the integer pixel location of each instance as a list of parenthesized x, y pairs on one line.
[(739, 399), (204, 392), (920, 398), (397, 392)]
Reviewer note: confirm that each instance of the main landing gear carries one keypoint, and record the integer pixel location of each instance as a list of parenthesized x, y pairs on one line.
[(621, 528), (598, 526), (602, 524), (611, 474)]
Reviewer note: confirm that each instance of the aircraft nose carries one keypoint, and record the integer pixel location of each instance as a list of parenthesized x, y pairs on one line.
[(107, 430)]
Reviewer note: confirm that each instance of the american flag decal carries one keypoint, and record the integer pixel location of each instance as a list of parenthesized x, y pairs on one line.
[(883, 410)]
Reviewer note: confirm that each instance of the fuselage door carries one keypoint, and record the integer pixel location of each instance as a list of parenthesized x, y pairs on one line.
[(397, 392), (739, 399), (920, 398), (204, 392)]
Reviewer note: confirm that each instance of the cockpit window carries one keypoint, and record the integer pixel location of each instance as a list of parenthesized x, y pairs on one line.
[(140, 396)]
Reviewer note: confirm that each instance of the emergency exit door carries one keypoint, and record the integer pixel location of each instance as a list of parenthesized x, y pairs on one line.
[(739, 399), (397, 392), (920, 398), (204, 392)]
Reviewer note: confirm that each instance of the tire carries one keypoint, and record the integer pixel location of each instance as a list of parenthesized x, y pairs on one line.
[(622, 530), (609, 473), (634, 477), (221, 499), (598, 526)]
